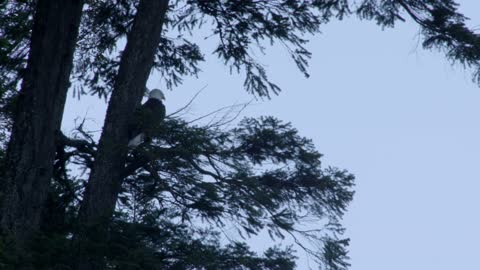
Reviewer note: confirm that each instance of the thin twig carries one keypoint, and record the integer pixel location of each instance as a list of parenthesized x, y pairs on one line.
[(216, 111), (228, 121), (189, 102)]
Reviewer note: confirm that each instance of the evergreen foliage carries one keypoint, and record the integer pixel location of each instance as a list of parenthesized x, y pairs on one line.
[(180, 192), (239, 26), (258, 176), (15, 27)]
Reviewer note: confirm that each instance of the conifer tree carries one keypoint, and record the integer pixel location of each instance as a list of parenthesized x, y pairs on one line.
[(124, 210)]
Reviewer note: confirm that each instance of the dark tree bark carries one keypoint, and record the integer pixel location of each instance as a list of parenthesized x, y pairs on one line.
[(106, 177), (31, 150)]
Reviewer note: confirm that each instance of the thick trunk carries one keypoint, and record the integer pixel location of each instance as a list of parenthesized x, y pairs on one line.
[(106, 177), (31, 149)]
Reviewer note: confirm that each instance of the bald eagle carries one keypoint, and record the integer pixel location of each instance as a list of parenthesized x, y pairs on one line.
[(147, 119)]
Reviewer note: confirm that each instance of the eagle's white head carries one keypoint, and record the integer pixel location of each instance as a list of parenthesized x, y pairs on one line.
[(156, 94)]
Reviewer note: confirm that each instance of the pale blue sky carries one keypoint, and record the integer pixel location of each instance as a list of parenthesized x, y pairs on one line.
[(402, 119)]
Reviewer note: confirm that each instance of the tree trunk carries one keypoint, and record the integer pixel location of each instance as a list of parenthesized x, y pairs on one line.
[(31, 150), (106, 177)]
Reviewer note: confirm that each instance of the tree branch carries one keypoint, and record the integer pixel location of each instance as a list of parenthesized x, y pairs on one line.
[(82, 146)]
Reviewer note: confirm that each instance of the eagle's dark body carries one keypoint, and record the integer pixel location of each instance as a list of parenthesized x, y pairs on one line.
[(146, 121)]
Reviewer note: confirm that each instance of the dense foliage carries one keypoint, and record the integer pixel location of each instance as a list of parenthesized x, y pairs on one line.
[(239, 26), (15, 27), (242, 27), (259, 175), (179, 193)]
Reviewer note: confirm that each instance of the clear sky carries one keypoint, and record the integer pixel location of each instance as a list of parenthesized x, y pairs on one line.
[(402, 119)]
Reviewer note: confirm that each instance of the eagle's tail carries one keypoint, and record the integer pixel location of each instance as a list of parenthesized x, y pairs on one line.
[(137, 140)]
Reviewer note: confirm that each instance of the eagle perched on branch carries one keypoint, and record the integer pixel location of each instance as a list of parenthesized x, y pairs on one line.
[(147, 119)]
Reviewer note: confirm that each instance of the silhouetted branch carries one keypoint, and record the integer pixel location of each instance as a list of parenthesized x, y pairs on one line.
[(141, 157), (225, 121), (243, 105), (81, 145), (189, 102)]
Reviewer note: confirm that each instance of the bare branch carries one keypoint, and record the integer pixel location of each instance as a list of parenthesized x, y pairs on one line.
[(219, 110), (225, 121), (189, 102), (82, 146)]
